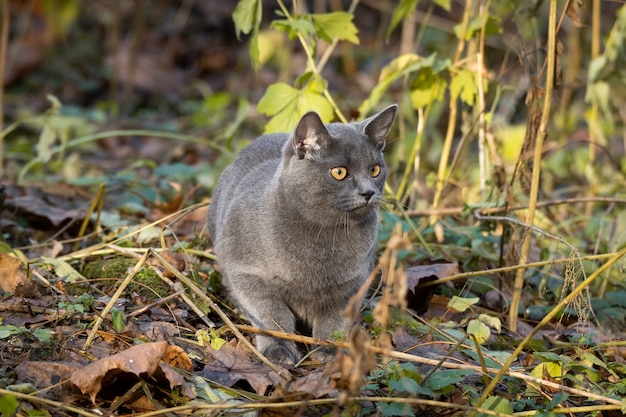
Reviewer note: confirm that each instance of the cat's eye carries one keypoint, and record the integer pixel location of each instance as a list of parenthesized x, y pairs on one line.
[(339, 173), (375, 171)]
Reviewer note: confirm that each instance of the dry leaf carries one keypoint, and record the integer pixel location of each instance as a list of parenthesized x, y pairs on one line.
[(231, 364), (137, 362), (419, 274), (11, 274), (45, 374), (178, 358)]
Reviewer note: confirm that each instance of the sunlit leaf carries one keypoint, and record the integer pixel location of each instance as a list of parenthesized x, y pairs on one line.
[(463, 85), (461, 304), (491, 321), (299, 25), (63, 269), (427, 87), (8, 405), (336, 24), (399, 67), (491, 22), (479, 330), (498, 404), (277, 97), (245, 16), (401, 12)]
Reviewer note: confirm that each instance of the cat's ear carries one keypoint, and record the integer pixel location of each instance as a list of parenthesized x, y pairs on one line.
[(310, 135), (377, 126)]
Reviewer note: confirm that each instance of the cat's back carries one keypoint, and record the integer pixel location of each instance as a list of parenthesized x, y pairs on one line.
[(246, 178)]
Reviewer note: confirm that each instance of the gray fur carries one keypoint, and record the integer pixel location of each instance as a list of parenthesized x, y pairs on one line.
[(292, 241)]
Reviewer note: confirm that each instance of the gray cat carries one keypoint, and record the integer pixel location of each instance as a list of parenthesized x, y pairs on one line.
[(294, 223)]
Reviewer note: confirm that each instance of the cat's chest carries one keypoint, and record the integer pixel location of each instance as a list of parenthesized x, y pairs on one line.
[(334, 252)]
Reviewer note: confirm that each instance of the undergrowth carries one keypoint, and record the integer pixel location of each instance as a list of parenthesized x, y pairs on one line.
[(502, 226)]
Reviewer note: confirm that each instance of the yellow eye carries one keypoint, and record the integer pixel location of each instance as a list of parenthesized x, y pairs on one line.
[(375, 171), (339, 173)]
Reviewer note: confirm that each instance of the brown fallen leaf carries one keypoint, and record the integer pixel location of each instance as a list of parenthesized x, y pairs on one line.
[(125, 368), (419, 274), (231, 364), (45, 374), (13, 279)]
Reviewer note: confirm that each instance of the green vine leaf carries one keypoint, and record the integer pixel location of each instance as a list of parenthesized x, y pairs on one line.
[(297, 25), (247, 18), (464, 85), (336, 24), (404, 10), (287, 105)]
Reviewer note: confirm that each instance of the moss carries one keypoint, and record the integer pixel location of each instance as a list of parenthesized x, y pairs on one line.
[(146, 283)]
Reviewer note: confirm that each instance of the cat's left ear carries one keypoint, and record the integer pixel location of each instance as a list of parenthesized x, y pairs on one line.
[(310, 135), (377, 126)]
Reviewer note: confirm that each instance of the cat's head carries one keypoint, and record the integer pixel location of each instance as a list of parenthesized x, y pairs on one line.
[(337, 168)]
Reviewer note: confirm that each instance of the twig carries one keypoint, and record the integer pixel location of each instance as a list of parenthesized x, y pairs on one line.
[(222, 315), (558, 308), (114, 297), (514, 268)]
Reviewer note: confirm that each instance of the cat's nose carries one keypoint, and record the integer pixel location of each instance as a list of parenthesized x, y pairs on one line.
[(367, 194)]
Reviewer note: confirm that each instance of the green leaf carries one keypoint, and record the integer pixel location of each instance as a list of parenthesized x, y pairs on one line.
[(463, 84), (498, 404), (404, 384), (427, 87), (479, 330), (9, 330), (288, 105), (246, 16), (216, 341), (462, 304), (119, 319), (401, 12), (492, 26), (446, 378), (63, 269), (44, 146), (395, 409), (491, 321), (299, 25), (277, 97), (45, 336), (336, 25), (8, 405), (403, 65)]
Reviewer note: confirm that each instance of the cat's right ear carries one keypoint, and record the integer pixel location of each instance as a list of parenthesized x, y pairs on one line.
[(310, 135)]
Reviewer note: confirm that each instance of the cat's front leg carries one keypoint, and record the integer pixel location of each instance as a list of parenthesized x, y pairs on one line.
[(267, 311), (324, 325)]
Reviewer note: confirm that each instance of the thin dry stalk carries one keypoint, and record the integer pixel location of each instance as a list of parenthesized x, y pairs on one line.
[(96, 326), (4, 40), (552, 314), (190, 284), (447, 144), (534, 186)]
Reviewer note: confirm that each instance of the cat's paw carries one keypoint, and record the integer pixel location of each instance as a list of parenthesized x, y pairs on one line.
[(282, 354), (324, 354)]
